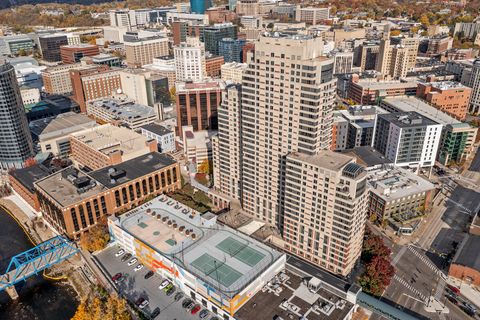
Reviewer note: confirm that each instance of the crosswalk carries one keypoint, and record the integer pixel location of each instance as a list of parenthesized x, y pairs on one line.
[(427, 262), (410, 287)]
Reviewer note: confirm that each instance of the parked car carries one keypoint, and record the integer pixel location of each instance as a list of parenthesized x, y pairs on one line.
[(185, 302), (170, 291), (126, 257), (452, 300), (149, 274), (453, 289), (178, 296), (142, 303), (163, 284), (116, 277), (132, 262), (155, 313), (168, 287), (214, 318), (119, 253), (138, 267), (195, 309), (189, 305), (203, 314)]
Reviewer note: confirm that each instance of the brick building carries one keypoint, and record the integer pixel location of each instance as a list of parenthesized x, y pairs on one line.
[(22, 180), (106, 145), (466, 263), (73, 201), (448, 96), (197, 104), (213, 65), (368, 91), (93, 83), (75, 52)]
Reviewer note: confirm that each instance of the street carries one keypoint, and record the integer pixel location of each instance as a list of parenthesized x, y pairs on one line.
[(421, 266)]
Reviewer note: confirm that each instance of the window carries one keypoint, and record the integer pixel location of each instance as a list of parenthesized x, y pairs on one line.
[(137, 188), (124, 195), (130, 191), (150, 184), (144, 187), (90, 213), (82, 217), (104, 205), (157, 182), (96, 208), (73, 212), (117, 198)]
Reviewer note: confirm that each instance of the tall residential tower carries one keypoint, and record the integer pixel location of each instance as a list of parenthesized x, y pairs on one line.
[(16, 142)]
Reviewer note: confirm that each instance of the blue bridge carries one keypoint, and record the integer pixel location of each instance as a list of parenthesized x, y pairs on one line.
[(37, 259)]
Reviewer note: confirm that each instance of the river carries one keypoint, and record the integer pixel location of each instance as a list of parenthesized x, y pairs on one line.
[(39, 299)]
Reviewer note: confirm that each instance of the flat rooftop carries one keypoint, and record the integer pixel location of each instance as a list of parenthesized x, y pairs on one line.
[(325, 159), (108, 138), (289, 298), (157, 129), (27, 176), (408, 104), (132, 169), (367, 156), (123, 110), (63, 190), (467, 254), (60, 125), (446, 85), (391, 183), (374, 84), (407, 119), (220, 256)]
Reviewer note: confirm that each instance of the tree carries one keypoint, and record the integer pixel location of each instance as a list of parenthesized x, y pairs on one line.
[(395, 33), (173, 92), (424, 20), (377, 276), (96, 238), (96, 308), (206, 167), (29, 162)]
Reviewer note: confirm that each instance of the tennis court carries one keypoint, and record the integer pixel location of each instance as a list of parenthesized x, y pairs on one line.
[(216, 269), (240, 251)]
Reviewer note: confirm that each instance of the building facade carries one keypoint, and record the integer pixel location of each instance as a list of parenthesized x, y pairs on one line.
[(74, 53), (142, 51), (50, 46), (474, 83), (197, 104), (227, 160), (85, 199), (397, 56), (328, 229), (213, 34), (296, 119), (407, 138), (16, 143), (448, 96), (231, 49), (165, 138), (190, 60)]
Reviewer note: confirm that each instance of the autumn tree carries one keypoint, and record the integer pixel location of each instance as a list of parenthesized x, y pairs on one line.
[(29, 162), (95, 308), (377, 276), (96, 238), (395, 33), (206, 167)]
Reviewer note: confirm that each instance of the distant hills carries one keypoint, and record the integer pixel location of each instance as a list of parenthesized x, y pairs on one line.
[(12, 3)]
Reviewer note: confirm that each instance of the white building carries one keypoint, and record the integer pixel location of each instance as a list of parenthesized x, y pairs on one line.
[(73, 38), (122, 18), (165, 137), (190, 60), (408, 139), (233, 71), (475, 85), (312, 15), (197, 146), (122, 112), (30, 95)]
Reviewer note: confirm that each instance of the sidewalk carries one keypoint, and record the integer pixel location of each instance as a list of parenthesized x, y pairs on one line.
[(467, 291)]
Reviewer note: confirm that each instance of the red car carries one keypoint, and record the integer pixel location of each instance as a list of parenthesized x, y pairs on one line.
[(453, 289), (116, 277), (195, 309)]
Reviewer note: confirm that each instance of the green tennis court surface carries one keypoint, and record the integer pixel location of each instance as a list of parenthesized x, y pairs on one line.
[(142, 225), (216, 269), (240, 251)]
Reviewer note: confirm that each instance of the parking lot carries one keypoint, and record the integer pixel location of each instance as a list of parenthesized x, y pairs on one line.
[(135, 286)]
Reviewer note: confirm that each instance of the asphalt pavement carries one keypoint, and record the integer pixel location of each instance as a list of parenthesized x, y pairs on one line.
[(136, 286)]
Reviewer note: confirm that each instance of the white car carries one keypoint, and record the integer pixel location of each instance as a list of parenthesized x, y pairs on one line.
[(119, 253), (138, 268), (163, 284), (143, 304), (132, 262)]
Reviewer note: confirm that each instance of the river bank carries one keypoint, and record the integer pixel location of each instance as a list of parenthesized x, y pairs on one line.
[(40, 298)]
